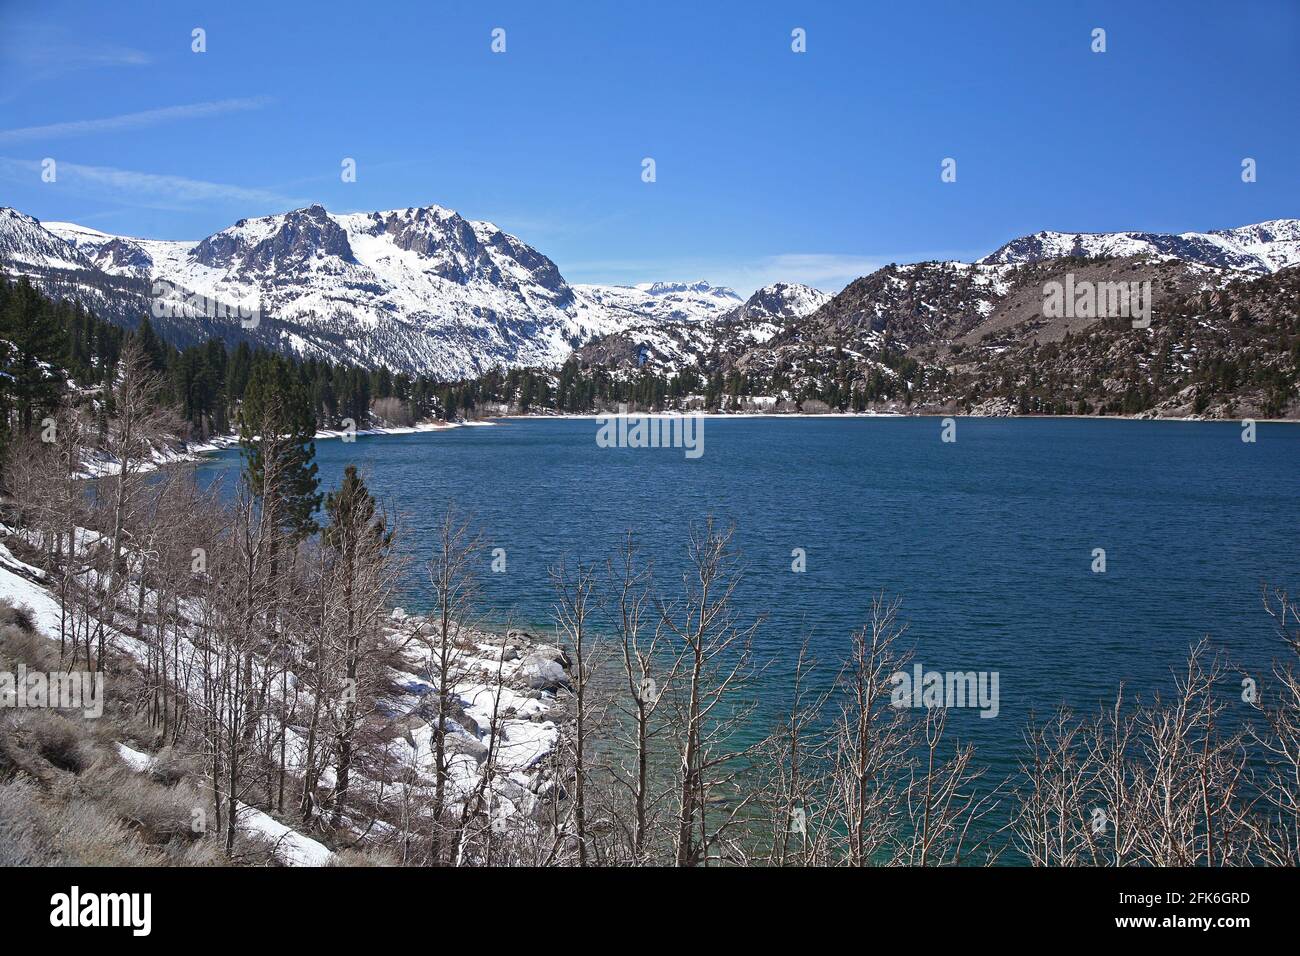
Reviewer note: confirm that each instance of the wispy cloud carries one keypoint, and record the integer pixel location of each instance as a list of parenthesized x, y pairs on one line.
[(131, 121), (151, 190), (37, 54), (49, 56), (83, 59)]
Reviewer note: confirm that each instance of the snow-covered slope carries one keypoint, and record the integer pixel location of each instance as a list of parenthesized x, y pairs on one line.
[(424, 290), (25, 244), (118, 255), (1262, 247), (662, 301), (420, 289), (780, 301), (672, 345), (417, 289)]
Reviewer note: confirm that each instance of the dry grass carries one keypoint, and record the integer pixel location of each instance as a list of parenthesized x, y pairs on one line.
[(66, 796)]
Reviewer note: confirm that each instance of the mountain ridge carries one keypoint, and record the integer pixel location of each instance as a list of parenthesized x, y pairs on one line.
[(422, 289)]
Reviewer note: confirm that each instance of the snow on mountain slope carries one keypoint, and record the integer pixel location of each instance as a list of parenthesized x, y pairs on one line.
[(670, 346), (25, 244), (119, 255), (417, 289), (662, 301), (1262, 247), (424, 290), (780, 300)]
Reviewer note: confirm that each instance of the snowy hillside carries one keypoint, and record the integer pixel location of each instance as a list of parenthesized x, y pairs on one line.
[(417, 290), (780, 300), (420, 290), (672, 345), (662, 301), (424, 290), (24, 244), (1262, 247)]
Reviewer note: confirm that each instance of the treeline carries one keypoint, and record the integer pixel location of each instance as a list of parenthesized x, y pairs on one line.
[(571, 390), (834, 382), (50, 348), (1223, 353)]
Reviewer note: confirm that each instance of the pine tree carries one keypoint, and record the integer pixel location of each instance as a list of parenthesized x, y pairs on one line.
[(36, 346), (276, 433), (155, 350), (358, 540)]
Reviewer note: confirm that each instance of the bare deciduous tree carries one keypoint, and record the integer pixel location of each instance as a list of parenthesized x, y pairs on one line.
[(713, 650)]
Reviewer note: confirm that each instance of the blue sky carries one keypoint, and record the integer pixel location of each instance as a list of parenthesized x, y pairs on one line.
[(815, 167)]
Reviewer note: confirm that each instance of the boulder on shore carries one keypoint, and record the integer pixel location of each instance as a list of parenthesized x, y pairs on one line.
[(541, 672), (552, 653)]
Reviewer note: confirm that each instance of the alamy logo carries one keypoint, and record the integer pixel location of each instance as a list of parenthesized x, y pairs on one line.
[(651, 431), (75, 909), (36, 690), (922, 688), (1098, 300), (172, 302)]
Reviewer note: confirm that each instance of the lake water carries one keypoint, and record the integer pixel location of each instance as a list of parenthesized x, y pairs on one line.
[(988, 540)]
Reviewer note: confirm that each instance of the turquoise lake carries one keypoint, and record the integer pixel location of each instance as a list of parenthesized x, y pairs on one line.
[(988, 540)]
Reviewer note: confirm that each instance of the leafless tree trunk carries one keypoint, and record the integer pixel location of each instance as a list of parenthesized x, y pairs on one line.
[(711, 703), (1278, 829), (574, 601), (795, 789), (648, 675), (455, 588)]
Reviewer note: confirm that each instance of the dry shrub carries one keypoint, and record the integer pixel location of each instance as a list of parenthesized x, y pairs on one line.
[(20, 616), (171, 766), (364, 856), (158, 813), (37, 829), (43, 742), (253, 849), (199, 853), (19, 645), (23, 841)]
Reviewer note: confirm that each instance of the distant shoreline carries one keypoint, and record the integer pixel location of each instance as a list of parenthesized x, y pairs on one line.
[(224, 442), (1129, 418), (195, 452)]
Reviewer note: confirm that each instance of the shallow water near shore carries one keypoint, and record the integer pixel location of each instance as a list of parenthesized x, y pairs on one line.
[(988, 540)]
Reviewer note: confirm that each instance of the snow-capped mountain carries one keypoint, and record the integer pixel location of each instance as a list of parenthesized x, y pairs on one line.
[(1263, 247), (780, 301), (24, 243), (671, 345), (420, 289), (424, 290), (930, 304), (417, 289), (663, 301)]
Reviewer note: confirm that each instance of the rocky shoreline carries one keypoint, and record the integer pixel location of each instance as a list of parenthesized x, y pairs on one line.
[(507, 697)]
